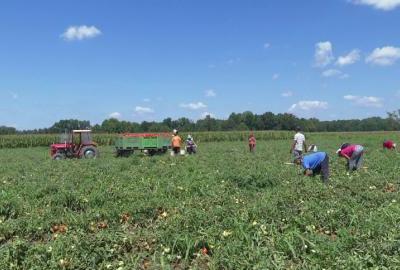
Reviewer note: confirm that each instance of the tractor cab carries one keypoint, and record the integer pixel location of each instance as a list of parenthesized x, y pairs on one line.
[(75, 144)]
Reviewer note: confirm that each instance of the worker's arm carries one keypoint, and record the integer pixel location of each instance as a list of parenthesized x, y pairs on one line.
[(346, 156), (293, 145)]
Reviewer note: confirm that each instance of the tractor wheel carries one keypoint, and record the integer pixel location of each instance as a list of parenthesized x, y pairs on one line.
[(89, 152), (58, 156)]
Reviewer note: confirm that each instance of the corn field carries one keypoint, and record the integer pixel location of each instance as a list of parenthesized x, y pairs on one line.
[(26, 141)]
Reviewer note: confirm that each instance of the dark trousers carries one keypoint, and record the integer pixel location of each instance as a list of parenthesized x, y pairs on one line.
[(323, 169), (252, 147)]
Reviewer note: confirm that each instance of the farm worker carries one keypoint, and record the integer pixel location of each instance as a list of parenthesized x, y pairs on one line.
[(313, 164), (298, 143), (354, 155), (176, 142), (252, 142), (389, 144), (191, 146)]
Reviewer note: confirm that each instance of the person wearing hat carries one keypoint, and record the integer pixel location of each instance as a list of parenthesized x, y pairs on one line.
[(313, 164), (191, 146), (176, 142), (252, 142), (389, 144), (299, 143), (353, 153)]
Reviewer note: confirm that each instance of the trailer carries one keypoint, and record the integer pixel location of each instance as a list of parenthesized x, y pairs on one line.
[(150, 143)]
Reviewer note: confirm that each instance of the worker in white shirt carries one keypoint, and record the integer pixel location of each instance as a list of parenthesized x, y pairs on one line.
[(299, 143)]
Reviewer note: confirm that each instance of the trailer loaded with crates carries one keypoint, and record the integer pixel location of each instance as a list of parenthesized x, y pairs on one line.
[(150, 143)]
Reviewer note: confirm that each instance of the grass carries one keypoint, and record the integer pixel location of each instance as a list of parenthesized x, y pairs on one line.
[(221, 209)]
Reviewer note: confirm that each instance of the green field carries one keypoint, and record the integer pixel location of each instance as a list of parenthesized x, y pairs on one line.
[(221, 209)]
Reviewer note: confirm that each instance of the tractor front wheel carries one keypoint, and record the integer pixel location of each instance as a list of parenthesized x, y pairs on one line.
[(89, 153), (58, 156)]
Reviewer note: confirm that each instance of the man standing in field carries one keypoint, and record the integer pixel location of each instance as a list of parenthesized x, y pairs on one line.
[(176, 143), (313, 164), (389, 144), (252, 142), (353, 153), (298, 143)]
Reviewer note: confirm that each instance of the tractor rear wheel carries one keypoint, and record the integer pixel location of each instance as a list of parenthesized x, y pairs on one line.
[(58, 156), (89, 152)]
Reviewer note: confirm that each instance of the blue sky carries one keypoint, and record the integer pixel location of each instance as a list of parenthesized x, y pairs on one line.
[(152, 59)]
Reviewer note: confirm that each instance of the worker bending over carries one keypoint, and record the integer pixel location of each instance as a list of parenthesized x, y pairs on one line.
[(389, 144), (313, 164), (191, 147), (353, 153)]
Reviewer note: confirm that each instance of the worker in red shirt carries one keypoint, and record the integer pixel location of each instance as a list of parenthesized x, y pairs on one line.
[(389, 144), (354, 155), (252, 142)]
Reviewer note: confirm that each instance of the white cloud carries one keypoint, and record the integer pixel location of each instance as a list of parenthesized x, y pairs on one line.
[(115, 115), (267, 45), (379, 4), (205, 114), (331, 73), (194, 105), (210, 93), (349, 59), (287, 94), (80, 32), (365, 101), (308, 105), (323, 54), (143, 110), (384, 56), (275, 76), (334, 73)]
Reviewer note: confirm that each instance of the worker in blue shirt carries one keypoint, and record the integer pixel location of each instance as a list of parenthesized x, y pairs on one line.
[(315, 163)]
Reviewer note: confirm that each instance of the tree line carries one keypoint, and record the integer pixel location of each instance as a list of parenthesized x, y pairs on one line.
[(236, 121)]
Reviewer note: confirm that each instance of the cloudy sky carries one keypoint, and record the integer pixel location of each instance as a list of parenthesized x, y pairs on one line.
[(151, 59)]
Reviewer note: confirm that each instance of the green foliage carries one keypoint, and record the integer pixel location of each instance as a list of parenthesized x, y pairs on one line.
[(7, 130), (236, 121), (221, 209), (27, 140), (34, 140)]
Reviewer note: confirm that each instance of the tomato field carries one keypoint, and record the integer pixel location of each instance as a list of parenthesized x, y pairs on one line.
[(223, 208)]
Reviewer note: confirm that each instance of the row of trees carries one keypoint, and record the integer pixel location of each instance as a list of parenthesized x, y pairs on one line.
[(7, 130), (236, 121)]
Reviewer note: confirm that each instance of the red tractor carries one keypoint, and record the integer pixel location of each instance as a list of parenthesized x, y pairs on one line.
[(76, 144)]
